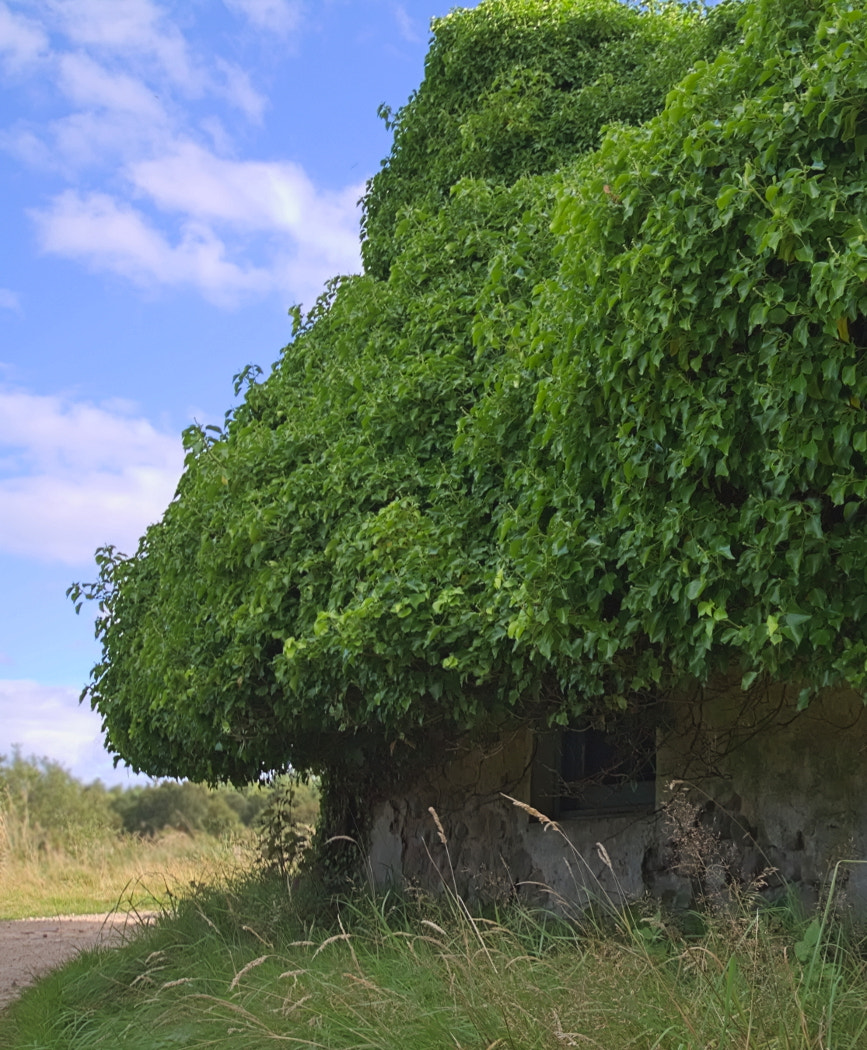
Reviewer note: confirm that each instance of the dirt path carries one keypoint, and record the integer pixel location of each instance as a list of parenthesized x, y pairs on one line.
[(30, 948)]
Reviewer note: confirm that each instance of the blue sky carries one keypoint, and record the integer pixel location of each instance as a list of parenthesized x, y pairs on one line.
[(174, 174)]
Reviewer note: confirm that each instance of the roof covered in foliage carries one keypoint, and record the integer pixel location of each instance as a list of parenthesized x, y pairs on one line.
[(592, 423)]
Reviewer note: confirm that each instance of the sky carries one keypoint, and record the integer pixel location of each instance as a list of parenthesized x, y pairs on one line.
[(174, 175)]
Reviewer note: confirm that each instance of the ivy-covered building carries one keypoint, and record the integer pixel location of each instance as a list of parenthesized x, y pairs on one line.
[(585, 440)]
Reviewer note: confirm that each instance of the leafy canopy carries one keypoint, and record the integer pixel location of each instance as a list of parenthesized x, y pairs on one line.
[(520, 87), (590, 424)]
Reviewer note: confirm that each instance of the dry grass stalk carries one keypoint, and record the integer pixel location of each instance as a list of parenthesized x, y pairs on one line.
[(174, 984), (546, 822), (603, 856), (340, 838), (363, 982), (440, 830), (246, 969), (288, 1006), (331, 940), (259, 938)]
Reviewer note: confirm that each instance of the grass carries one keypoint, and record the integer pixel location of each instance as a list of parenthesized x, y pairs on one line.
[(63, 850), (90, 868), (110, 871), (243, 965), (246, 963)]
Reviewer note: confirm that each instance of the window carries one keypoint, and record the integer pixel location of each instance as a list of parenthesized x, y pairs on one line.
[(593, 771)]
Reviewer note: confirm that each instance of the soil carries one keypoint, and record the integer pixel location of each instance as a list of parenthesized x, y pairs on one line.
[(30, 948)]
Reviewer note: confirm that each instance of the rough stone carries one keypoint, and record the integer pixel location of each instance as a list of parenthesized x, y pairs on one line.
[(751, 797)]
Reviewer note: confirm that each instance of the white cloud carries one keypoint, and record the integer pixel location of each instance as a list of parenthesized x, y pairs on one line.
[(66, 519), (9, 300), (194, 181), (255, 195), (99, 140), (74, 476), (275, 16), (86, 82), (89, 139), (225, 214), (162, 209), (116, 24), (48, 722), (152, 54), (21, 41), (218, 133), (116, 237), (407, 26), (114, 60), (237, 88), (23, 142), (132, 30)]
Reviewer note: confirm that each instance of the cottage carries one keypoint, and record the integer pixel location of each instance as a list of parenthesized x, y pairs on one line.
[(587, 435)]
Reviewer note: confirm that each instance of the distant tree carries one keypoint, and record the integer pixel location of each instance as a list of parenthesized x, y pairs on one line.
[(192, 808), (48, 805), (186, 807)]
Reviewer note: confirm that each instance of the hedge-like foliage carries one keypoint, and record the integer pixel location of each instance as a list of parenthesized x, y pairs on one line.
[(319, 580), (585, 430), (689, 494), (520, 87)]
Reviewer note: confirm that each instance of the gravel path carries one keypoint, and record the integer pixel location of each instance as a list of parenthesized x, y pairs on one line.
[(30, 948)]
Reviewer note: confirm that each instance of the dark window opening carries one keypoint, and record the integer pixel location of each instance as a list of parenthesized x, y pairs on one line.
[(590, 771)]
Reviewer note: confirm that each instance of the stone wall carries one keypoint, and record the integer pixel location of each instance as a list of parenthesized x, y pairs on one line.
[(484, 854), (495, 849), (751, 796), (777, 796)]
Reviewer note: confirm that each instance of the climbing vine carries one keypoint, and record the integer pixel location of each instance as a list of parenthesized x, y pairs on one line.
[(590, 426)]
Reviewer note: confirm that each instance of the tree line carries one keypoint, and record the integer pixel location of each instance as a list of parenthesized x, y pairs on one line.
[(43, 805)]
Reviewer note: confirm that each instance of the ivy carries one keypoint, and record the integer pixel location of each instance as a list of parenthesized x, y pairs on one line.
[(704, 408), (519, 87), (590, 425)]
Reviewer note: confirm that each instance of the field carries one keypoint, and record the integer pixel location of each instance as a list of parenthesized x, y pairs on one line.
[(110, 872), (73, 848)]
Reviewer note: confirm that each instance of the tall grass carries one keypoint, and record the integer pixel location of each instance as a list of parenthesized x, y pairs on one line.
[(245, 965), (67, 847), (94, 868)]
